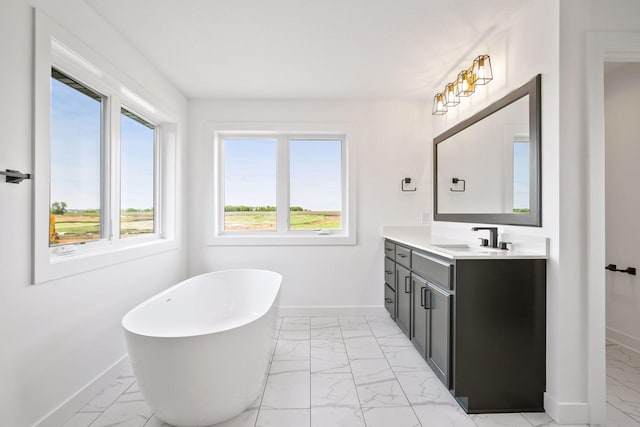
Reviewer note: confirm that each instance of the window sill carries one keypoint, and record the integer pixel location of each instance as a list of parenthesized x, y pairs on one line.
[(281, 240), (52, 266)]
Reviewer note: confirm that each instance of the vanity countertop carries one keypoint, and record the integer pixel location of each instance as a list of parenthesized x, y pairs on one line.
[(456, 249)]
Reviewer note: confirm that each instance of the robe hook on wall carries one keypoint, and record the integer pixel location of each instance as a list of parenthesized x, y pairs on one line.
[(456, 181), (406, 181), (14, 176)]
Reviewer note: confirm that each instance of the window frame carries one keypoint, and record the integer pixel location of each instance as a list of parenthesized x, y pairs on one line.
[(283, 133), (55, 48)]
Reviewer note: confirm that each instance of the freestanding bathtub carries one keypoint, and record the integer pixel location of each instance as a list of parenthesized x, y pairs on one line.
[(200, 350)]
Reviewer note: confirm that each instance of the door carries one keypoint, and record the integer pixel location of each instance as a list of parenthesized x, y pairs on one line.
[(420, 319), (438, 304), (403, 299)]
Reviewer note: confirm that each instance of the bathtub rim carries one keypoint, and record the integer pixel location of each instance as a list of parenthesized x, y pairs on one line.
[(204, 332)]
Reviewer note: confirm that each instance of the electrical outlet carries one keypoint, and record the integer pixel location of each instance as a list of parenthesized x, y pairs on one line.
[(426, 218)]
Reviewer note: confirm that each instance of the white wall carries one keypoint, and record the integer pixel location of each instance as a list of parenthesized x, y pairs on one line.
[(622, 91), (58, 336), (393, 142)]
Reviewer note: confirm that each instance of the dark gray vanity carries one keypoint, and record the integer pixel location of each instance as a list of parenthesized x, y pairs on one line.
[(478, 319)]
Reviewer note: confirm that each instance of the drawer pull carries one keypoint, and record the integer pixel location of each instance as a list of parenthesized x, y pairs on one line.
[(423, 298), (427, 298), (388, 300), (406, 282), (402, 255), (388, 272), (388, 249)]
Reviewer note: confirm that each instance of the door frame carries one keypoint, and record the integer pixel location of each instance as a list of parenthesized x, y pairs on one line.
[(601, 48)]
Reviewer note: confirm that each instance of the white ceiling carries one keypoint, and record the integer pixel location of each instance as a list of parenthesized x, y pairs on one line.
[(307, 48)]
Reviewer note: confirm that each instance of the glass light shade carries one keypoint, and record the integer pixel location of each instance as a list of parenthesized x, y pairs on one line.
[(464, 85), (450, 97), (482, 73), (439, 106)]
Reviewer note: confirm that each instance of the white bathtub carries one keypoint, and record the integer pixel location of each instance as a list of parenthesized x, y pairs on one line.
[(200, 350)]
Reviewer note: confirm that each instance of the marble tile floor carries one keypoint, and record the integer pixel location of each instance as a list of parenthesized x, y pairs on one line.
[(357, 371)]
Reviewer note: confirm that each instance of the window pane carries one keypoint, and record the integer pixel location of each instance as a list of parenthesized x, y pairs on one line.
[(315, 191), (75, 193), (250, 184), (137, 148)]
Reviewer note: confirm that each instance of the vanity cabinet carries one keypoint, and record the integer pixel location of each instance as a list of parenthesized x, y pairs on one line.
[(479, 324)]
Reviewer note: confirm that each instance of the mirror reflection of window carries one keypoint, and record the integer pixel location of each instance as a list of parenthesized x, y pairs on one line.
[(521, 162)]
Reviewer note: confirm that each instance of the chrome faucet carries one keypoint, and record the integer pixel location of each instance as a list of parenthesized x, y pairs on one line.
[(493, 235)]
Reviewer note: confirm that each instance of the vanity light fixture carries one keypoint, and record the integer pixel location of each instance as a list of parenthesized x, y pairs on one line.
[(479, 73), (464, 83), (482, 73), (450, 97), (439, 106)]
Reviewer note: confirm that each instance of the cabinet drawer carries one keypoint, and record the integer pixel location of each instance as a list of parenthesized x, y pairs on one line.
[(403, 256), (390, 301), (389, 249), (433, 269), (389, 272)]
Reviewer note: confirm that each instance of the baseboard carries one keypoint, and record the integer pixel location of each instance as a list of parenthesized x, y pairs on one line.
[(69, 407), (332, 311), (623, 339), (566, 412)]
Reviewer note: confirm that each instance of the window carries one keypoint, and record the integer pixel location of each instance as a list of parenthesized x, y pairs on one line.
[(76, 167), (315, 184), (283, 188), (104, 162), (79, 178), (250, 184), (137, 175)]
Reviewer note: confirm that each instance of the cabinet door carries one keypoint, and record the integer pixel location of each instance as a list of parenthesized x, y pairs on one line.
[(419, 326), (438, 303), (403, 299)]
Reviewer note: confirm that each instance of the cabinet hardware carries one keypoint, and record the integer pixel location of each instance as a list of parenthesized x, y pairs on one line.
[(423, 297), (406, 282), (388, 272), (427, 295), (388, 300), (388, 249), (628, 270), (402, 255)]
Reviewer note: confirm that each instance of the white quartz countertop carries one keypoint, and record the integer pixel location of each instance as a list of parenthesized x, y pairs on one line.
[(456, 249)]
